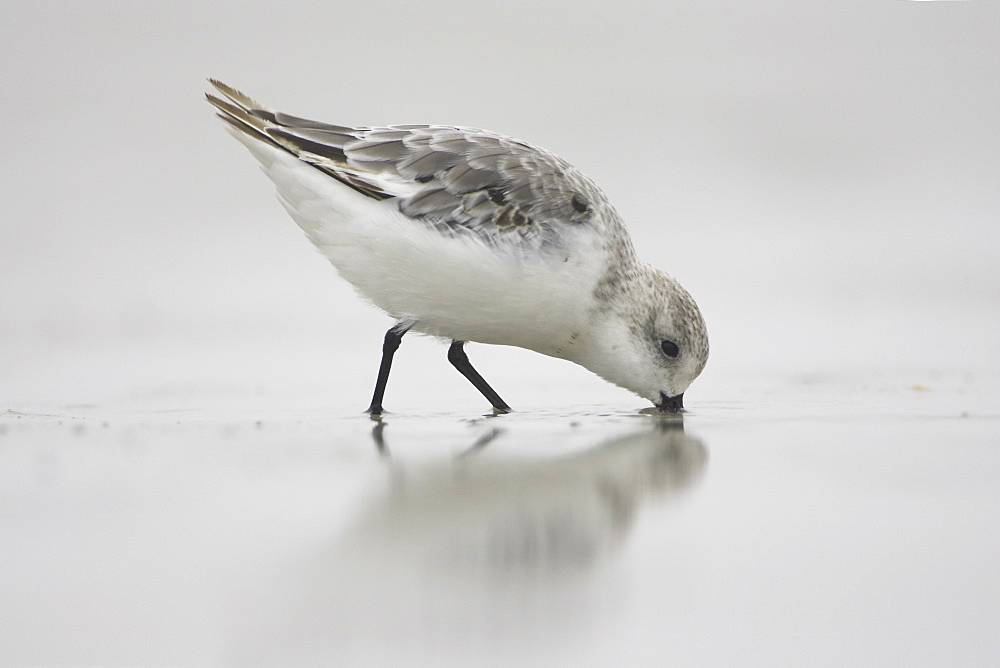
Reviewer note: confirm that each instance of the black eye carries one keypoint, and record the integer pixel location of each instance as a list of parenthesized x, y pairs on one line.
[(670, 349)]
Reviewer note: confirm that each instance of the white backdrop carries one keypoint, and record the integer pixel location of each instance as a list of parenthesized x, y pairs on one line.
[(823, 178)]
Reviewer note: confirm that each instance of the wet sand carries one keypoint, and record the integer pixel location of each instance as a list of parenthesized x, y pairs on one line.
[(819, 521)]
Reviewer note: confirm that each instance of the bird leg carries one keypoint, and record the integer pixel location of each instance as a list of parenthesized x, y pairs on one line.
[(458, 359), (389, 346)]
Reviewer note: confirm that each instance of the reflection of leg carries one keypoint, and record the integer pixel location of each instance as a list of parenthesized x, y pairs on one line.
[(377, 430), (389, 346), (458, 359), (481, 442)]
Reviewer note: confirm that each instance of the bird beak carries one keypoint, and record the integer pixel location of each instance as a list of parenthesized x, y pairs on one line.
[(671, 404)]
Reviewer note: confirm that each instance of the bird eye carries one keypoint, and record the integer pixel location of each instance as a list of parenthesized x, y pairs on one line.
[(670, 349)]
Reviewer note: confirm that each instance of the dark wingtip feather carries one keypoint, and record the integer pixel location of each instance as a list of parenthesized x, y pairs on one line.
[(299, 143), (239, 98), (250, 131), (241, 118), (224, 106)]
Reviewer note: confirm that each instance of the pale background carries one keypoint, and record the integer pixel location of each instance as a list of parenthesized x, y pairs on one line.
[(823, 178)]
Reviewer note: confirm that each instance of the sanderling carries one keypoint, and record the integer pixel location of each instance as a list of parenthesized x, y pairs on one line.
[(468, 235)]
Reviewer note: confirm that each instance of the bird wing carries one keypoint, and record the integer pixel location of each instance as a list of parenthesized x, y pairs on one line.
[(458, 180)]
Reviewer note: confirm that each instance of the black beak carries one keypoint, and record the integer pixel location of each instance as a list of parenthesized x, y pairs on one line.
[(671, 404)]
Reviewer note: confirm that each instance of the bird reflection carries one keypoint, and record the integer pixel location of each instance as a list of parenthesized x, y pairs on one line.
[(484, 549), (506, 516)]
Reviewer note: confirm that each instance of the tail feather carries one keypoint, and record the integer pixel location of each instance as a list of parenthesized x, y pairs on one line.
[(239, 98), (294, 135)]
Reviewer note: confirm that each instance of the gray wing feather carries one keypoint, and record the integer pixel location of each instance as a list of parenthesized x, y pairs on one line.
[(305, 123), (426, 162), (428, 202), (465, 178), (388, 152), (458, 180)]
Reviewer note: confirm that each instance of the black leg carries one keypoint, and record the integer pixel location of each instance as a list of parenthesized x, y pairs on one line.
[(389, 346), (458, 359)]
